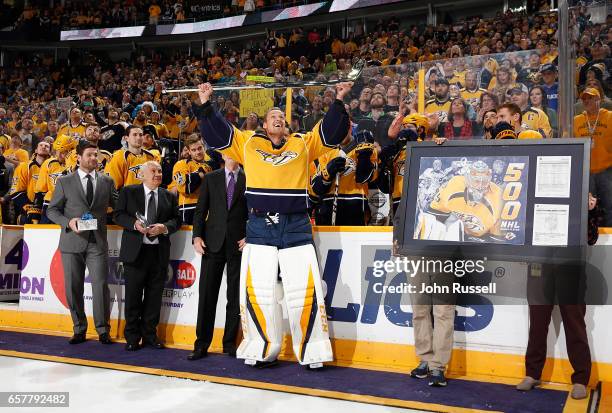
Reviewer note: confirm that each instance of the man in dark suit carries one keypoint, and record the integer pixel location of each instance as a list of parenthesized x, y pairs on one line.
[(219, 230), (145, 252), (84, 192)]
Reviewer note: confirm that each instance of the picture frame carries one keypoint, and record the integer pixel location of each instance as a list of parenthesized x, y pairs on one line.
[(435, 218)]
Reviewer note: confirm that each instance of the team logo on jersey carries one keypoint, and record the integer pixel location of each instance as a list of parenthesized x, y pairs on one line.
[(136, 171), (277, 160), (178, 178), (107, 134), (56, 175), (350, 167), (400, 168), (472, 223)]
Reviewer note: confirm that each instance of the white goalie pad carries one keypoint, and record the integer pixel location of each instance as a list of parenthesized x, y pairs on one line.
[(260, 311), (305, 304), (430, 228)]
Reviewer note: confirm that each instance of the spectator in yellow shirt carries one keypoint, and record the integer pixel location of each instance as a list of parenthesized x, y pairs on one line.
[(154, 12), (15, 154), (596, 122)]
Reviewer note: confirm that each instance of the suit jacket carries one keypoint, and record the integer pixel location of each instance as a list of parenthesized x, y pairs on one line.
[(212, 221), (132, 200), (69, 201)]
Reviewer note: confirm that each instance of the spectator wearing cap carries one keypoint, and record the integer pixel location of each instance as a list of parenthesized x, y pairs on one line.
[(606, 102), (440, 104), (596, 122), (532, 118), (550, 85)]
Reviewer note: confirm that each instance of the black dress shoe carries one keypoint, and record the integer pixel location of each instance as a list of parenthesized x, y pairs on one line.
[(77, 339), (197, 354), (158, 345), (105, 338), (265, 364), (132, 347), (230, 351)]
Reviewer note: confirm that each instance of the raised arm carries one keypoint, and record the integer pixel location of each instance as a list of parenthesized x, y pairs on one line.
[(217, 132)]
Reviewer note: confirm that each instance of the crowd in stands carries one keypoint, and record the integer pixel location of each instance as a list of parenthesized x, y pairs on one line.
[(40, 17), (478, 75)]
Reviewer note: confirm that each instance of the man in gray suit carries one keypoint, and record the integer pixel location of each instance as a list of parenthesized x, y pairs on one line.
[(84, 194)]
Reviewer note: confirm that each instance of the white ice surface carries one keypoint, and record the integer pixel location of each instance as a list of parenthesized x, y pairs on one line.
[(97, 390)]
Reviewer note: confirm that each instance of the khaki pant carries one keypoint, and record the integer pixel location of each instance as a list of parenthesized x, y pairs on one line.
[(433, 341)]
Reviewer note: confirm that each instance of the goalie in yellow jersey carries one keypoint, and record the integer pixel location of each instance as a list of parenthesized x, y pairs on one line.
[(279, 233), (467, 208)]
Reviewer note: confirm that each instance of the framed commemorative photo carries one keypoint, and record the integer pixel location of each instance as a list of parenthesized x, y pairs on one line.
[(505, 198)]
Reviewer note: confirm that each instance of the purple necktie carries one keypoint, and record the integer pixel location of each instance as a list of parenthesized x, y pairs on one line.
[(230, 190)]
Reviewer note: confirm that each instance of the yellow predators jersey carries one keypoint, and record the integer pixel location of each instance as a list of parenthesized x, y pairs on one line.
[(186, 124), (537, 120), (40, 128), (479, 218), (399, 164), (104, 157), (186, 179), (472, 96), (161, 129), (276, 178), (124, 167), (25, 178), (348, 187), (50, 171), (77, 131), (436, 106)]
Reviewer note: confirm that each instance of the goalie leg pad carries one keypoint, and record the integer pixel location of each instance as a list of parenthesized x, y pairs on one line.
[(260, 311), (305, 304)]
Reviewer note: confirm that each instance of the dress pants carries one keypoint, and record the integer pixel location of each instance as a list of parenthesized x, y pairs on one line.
[(144, 286), (562, 285), (96, 262), (213, 264), (576, 340)]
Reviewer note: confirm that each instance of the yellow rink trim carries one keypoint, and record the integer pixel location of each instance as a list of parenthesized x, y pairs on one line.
[(399, 358), (323, 228), (250, 383), (605, 401)]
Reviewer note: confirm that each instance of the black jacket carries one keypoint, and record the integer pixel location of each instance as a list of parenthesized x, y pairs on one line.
[(212, 221), (132, 200)]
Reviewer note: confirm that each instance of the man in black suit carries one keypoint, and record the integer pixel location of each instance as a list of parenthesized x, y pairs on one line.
[(145, 252), (219, 230)]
